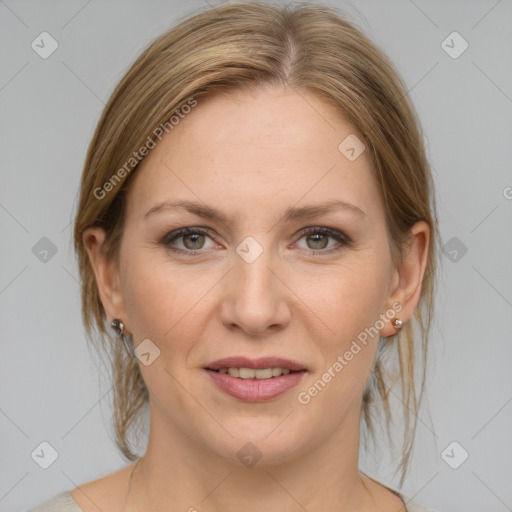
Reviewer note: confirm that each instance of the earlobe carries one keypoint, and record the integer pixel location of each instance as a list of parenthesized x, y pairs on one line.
[(106, 273), (409, 277)]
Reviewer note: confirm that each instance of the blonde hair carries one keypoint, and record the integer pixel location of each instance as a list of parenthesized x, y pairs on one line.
[(242, 46)]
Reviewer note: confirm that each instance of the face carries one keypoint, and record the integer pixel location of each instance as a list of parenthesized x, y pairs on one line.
[(270, 279)]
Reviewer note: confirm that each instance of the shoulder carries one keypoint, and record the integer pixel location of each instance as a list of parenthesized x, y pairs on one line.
[(63, 502), (104, 493), (412, 506)]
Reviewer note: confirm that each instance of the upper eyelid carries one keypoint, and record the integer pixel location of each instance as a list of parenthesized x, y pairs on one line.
[(328, 231)]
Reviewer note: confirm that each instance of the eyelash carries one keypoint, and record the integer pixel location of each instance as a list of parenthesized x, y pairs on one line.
[(342, 239)]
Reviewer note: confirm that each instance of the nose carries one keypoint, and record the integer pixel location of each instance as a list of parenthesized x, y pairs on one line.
[(255, 298)]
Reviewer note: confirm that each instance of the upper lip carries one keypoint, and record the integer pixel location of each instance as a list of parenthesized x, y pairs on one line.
[(262, 362)]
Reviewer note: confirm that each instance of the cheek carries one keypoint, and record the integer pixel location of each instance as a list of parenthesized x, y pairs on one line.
[(347, 297), (348, 349), (164, 301), (347, 301), (164, 304)]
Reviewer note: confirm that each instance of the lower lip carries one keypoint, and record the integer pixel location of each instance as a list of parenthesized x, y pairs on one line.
[(254, 390)]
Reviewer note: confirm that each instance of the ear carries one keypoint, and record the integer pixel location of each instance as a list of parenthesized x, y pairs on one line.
[(107, 276), (408, 277)]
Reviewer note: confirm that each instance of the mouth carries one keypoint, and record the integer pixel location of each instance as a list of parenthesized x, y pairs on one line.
[(255, 380), (256, 374)]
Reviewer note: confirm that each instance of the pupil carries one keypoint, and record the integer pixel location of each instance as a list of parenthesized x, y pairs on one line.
[(316, 241), (195, 241)]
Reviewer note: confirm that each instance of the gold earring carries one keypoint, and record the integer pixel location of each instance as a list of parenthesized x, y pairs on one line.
[(397, 323)]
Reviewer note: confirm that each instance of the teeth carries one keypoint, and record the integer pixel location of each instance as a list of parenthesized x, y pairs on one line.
[(263, 373), (234, 372), (251, 373), (247, 373)]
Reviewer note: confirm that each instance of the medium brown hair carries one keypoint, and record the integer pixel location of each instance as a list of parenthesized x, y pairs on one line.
[(249, 45)]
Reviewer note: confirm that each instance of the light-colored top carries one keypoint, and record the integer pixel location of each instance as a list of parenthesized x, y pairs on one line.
[(64, 502)]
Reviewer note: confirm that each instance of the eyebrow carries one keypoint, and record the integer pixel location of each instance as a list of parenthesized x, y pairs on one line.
[(290, 215)]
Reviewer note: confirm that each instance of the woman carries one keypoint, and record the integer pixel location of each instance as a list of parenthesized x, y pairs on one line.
[(257, 224)]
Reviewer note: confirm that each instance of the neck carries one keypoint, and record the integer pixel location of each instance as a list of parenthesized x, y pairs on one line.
[(179, 473)]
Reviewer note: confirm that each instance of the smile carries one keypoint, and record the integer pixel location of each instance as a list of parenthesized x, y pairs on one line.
[(251, 373), (255, 380)]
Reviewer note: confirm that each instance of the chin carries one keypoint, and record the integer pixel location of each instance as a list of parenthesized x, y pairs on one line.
[(259, 441)]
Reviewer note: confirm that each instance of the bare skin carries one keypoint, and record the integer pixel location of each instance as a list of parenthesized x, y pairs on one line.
[(252, 156)]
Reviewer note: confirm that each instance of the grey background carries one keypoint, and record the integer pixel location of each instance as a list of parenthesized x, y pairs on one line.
[(50, 385)]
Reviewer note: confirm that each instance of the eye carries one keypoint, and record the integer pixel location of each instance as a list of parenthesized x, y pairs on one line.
[(192, 239), (317, 238)]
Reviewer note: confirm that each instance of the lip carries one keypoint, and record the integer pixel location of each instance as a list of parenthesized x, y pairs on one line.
[(256, 364), (255, 390)]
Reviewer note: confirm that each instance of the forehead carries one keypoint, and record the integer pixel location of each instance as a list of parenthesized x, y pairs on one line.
[(254, 152)]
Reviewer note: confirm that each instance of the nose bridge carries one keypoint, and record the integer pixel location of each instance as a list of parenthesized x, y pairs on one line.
[(254, 278), (256, 299)]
